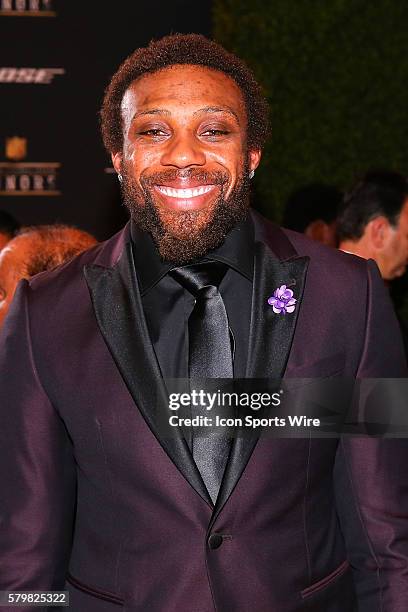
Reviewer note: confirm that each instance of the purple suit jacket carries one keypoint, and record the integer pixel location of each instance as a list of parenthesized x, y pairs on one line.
[(95, 499)]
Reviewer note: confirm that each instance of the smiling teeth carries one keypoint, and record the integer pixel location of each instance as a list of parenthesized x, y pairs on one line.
[(185, 193)]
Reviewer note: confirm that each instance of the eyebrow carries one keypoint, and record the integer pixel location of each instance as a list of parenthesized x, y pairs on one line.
[(151, 111), (217, 109), (200, 111)]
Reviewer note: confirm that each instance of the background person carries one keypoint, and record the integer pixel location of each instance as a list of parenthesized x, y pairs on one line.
[(373, 222), (34, 250)]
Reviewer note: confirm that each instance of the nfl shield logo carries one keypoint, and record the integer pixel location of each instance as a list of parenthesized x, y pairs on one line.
[(16, 148)]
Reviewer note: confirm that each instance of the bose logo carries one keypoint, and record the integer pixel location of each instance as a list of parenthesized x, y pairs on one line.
[(39, 76)]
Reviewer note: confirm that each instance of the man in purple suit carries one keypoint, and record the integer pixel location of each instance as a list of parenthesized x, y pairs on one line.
[(97, 495)]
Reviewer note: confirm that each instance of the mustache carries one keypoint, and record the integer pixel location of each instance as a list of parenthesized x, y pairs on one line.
[(215, 177)]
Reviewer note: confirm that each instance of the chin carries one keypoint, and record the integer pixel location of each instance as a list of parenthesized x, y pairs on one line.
[(181, 236), (185, 224)]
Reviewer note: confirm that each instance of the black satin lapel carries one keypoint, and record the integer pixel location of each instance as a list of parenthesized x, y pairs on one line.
[(271, 337), (119, 313), (241, 451), (271, 334)]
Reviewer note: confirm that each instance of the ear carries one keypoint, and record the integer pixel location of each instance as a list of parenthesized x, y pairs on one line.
[(117, 161), (378, 231), (254, 157)]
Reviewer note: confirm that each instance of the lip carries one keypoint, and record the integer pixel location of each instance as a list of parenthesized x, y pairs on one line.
[(191, 197)]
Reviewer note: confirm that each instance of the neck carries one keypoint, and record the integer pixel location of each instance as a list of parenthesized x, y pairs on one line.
[(357, 247)]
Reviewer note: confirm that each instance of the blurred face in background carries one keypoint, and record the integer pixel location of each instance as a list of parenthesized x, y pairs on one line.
[(392, 254), (37, 250)]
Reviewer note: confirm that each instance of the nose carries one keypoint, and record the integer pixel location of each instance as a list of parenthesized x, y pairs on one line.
[(183, 150)]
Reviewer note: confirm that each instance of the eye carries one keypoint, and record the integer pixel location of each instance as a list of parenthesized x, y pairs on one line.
[(214, 132), (152, 132), (3, 294), (152, 135)]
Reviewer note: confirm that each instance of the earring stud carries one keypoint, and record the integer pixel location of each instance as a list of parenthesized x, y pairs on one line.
[(120, 177), (252, 174)]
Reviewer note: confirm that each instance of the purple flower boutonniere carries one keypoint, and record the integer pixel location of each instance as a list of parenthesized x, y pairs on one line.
[(282, 300)]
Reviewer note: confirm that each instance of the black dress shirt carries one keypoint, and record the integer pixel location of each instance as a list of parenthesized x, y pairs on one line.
[(167, 305)]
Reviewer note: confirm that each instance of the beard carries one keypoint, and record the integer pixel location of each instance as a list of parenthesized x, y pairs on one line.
[(184, 236)]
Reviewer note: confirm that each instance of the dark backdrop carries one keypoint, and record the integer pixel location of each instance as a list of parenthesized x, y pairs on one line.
[(52, 117), (335, 74)]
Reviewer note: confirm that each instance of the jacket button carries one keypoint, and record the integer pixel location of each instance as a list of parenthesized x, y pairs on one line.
[(215, 541)]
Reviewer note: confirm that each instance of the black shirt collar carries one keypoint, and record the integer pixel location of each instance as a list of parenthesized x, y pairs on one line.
[(236, 251)]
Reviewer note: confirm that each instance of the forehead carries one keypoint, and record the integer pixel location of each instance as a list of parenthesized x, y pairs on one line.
[(15, 253), (183, 87)]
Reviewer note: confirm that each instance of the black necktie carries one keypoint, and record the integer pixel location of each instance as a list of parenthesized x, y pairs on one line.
[(209, 357)]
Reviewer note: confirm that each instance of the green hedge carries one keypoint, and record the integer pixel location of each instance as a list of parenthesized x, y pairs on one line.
[(336, 75)]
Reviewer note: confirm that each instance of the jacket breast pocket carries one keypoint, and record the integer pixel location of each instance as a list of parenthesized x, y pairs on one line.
[(332, 365)]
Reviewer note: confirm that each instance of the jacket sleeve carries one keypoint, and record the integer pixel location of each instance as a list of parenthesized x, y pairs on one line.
[(371, 473), (37, 468)]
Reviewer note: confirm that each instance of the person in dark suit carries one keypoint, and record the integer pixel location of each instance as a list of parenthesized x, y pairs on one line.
[(373, 221), (99, 493)]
